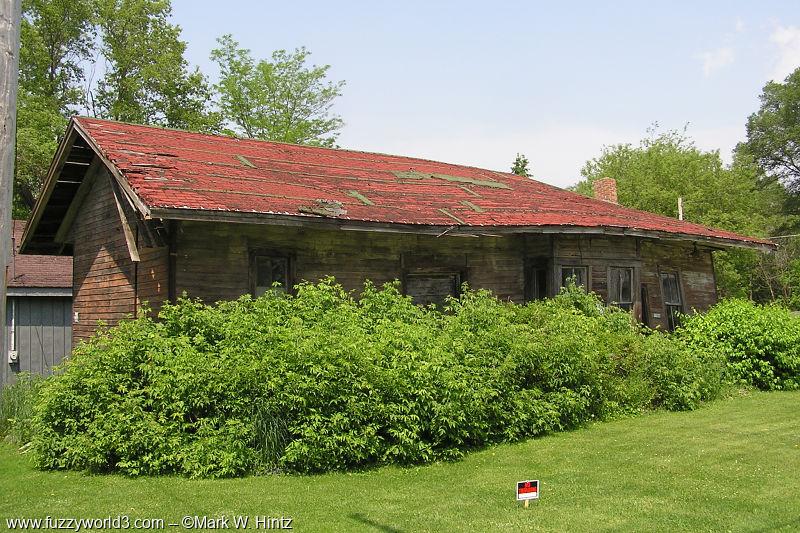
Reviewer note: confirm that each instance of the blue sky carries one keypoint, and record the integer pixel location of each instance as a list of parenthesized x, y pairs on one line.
[(475, 83)]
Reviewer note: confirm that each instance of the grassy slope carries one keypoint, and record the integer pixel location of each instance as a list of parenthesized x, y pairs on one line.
[(732, 465)]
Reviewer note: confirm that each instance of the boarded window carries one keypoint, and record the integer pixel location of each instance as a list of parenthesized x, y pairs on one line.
[(671, 292), (620, 287), (271, 273), (578, 274), (427, 289)]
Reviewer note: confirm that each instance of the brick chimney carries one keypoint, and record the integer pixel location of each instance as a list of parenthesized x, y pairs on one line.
[(605, 189)]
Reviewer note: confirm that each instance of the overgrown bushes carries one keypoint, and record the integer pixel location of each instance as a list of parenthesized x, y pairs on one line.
[(761, 344), (324, 381)]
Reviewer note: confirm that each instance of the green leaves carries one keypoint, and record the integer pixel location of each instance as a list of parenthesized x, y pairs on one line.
[(324, 381), (520, 166), (761, 344), (280, 99), (773, 132), (147, 79)]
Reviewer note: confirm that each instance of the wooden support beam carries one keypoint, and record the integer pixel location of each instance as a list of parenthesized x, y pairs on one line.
[(130, 238)]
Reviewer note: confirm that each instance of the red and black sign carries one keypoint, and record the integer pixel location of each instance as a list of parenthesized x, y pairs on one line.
[(528, 490)]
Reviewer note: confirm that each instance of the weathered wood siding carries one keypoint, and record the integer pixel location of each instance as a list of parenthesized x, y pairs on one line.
[(103, 273), (42, 334), (152, 277), (696, 279), (648, 258), (213, 259), (107, 284)]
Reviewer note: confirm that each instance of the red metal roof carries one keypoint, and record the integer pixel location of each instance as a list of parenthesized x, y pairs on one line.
[(192, 171), (40, 271)]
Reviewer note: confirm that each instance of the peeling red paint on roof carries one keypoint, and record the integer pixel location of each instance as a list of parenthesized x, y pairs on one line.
[(183, 170), (40, 271)]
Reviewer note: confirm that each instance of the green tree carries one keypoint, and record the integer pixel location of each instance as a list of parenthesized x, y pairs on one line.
[(147, 79), (281, 99), (520, 166), (667, 165), (773, 132), (56, 38)]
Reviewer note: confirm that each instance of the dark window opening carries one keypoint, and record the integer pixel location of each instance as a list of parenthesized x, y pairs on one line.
[(432, 288), (535, 283), (673, 304), (645, 307), (271, 273), (620, 287), (578, 274)]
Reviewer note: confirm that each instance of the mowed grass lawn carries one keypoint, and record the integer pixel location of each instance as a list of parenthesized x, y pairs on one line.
[(733, 465)]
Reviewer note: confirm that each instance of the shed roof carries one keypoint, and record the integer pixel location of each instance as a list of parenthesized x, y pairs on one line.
[(178, 174), (37, 271)]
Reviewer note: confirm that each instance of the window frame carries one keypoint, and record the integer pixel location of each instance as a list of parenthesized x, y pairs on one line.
[(456, 275), (671, 310), (587, 272), (273, 255), (627, 305)]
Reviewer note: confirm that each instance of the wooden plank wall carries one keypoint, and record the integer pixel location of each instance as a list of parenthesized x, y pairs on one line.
[(103, 273), (648, 258), (152, 283), (213, 259), (42, 332), (213, 262), (695, 270)]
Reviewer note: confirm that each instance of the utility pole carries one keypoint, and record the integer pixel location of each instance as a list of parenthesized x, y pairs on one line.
[(10, 16)]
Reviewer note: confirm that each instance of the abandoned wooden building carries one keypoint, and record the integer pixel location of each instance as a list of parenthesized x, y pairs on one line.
[(38, 311), (151, 213)]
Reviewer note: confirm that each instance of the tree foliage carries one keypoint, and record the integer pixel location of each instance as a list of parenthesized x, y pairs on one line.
[(56, 38), (520, 166), (667, 165), (281, 99), (773, 132), (147, 79), (144, 77)]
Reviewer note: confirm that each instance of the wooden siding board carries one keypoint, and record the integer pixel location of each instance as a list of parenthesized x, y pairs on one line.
[(103, 272)]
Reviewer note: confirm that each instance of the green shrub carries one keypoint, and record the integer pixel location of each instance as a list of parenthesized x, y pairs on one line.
[(761, 344), (17, 402), (324, 381)]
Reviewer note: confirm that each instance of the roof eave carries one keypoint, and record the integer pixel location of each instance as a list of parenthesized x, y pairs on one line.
[(74, 131), (241, 217), (49, 183)]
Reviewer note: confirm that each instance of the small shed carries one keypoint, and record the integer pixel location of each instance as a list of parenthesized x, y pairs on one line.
[(38, 311)]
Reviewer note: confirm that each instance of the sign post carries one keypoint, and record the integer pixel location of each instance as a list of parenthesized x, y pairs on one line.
[(527, 491)]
